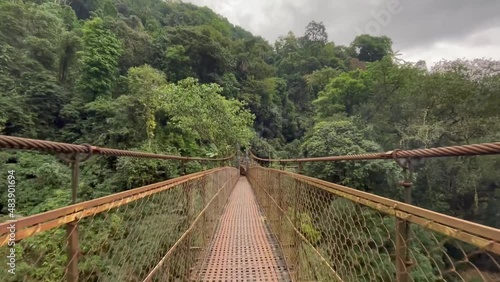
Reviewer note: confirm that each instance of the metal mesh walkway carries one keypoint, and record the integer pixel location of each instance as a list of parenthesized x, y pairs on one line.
[(243, 248)]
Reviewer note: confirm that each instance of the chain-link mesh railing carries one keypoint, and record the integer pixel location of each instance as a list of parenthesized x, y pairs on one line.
[(329, 232), (153, 233)]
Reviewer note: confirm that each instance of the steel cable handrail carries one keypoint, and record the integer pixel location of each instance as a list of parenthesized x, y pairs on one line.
[(451, 151), (11, 142)]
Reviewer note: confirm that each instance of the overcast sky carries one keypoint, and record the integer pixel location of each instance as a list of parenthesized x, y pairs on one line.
[(420, 29)]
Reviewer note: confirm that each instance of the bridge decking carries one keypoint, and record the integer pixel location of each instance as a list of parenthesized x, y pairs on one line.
[(243, 248)]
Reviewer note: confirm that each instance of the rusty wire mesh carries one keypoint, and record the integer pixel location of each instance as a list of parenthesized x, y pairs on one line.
[(328, 234), (156, 234)]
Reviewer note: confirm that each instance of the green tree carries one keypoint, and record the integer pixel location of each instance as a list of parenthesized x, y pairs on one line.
[(316, 32), (31, 44), (341, 136), (369, 48), (343, 94), (137, 45), (201, 112), (201, 52), (98, 60), (147, 85)]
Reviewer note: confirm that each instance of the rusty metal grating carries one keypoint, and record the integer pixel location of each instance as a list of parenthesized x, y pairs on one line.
[(243, 248)]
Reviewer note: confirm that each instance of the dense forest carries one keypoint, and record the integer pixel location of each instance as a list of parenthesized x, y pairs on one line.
[(174, 78)]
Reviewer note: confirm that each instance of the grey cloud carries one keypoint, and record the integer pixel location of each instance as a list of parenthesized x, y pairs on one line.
[(423, 22), (420, 23), (484, 38)]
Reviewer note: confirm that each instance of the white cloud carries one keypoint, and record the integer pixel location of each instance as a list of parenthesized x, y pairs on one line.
[(483, 44)]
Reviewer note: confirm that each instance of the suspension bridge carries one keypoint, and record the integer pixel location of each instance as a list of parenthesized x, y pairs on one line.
[(244, 219)]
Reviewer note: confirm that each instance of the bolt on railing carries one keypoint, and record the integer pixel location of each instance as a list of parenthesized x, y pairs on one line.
[(71, 216)]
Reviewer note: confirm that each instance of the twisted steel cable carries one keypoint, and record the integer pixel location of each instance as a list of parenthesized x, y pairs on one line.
[(452, 151), (11, 142)]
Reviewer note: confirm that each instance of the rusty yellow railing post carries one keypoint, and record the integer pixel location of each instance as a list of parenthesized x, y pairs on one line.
[(187, 213), (296, 239), (72, 249), (403, 227), (280, 207), (203, 204), (402, 274), (270, 190), (187, 208), (72, 227)]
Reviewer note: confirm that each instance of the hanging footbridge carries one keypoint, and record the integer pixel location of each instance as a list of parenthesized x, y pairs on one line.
[(242, 221)]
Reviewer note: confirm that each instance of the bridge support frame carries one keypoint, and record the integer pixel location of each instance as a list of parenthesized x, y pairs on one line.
[(403, 231), (73, 248), (189, 219), (279, 215), (296, 240)]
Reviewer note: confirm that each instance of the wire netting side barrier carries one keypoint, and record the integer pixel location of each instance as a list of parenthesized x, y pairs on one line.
[(153, 233), (330, 232)]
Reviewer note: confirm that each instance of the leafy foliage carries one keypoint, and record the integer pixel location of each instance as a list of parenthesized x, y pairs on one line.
[(370, 49), (99, 60)]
